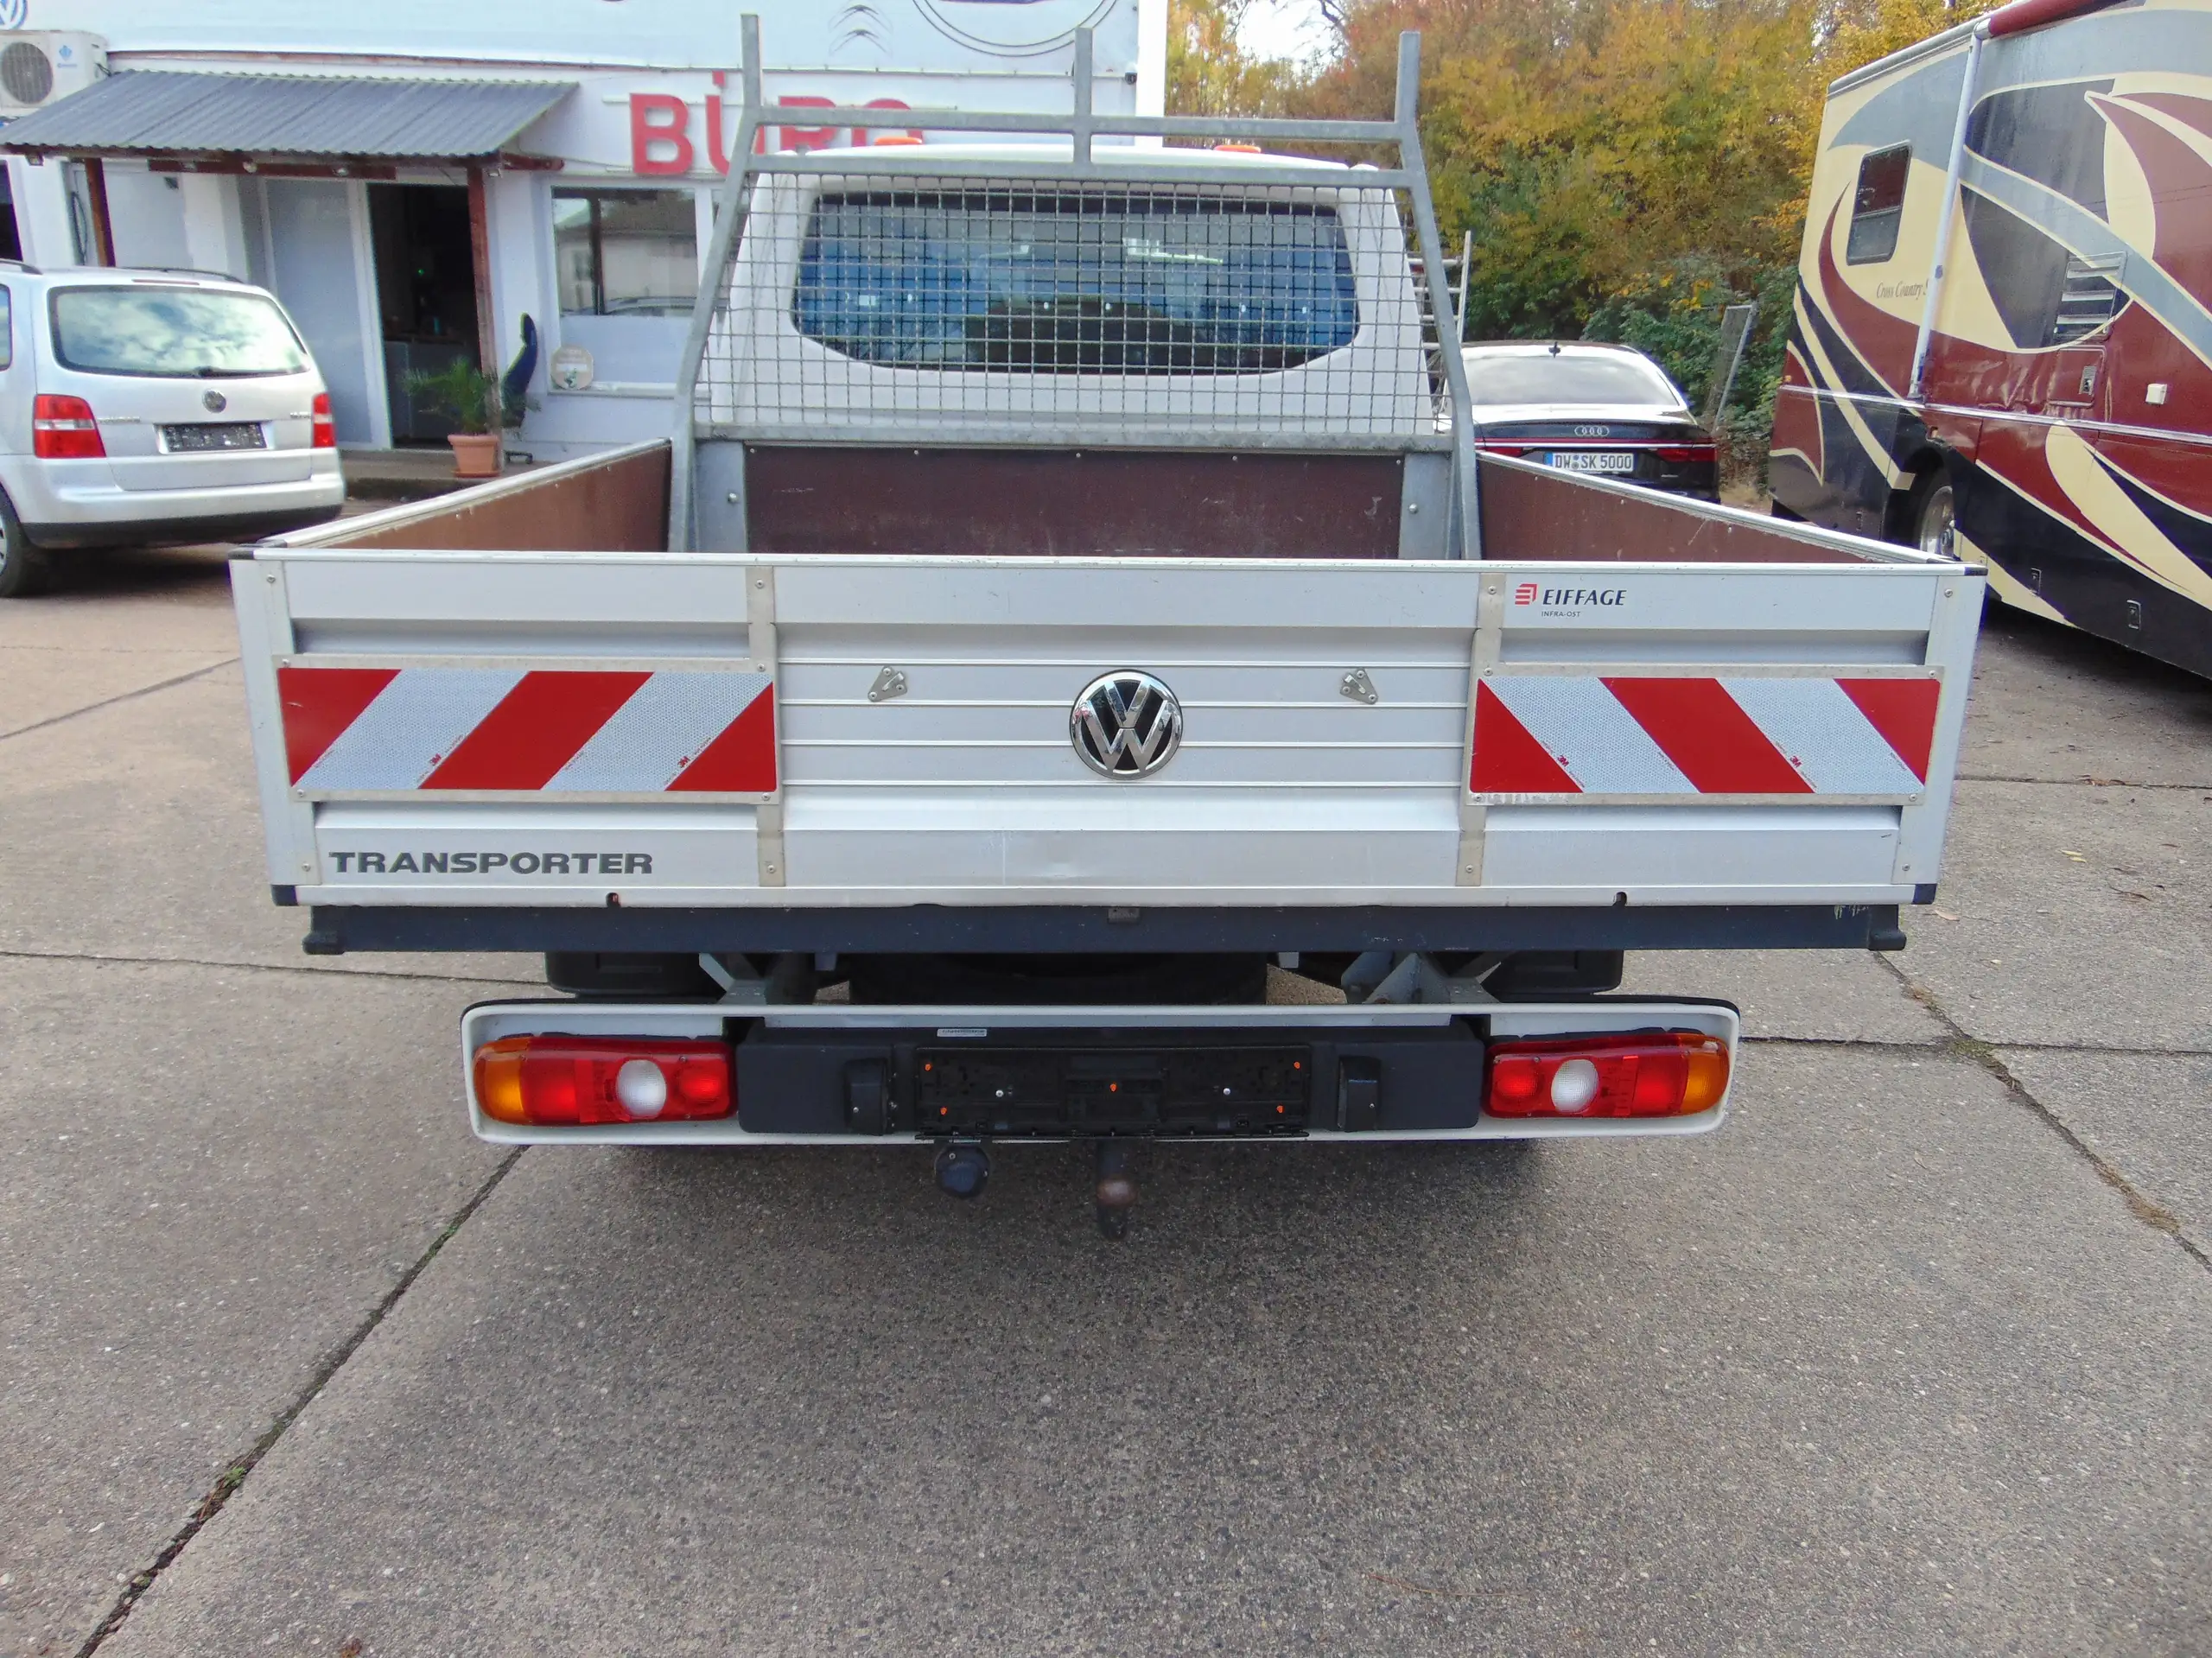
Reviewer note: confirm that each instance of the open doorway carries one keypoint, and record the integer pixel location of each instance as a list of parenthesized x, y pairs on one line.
[(426, 295)]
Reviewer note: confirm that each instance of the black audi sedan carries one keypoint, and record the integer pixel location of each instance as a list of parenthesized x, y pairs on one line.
[(1607, 410)]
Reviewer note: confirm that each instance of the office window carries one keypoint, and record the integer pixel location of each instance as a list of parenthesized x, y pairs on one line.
[(626, 252), (1878, 208)]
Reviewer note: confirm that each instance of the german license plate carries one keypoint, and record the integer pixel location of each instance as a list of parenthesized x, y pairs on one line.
[(217, 435), (1592, 459)]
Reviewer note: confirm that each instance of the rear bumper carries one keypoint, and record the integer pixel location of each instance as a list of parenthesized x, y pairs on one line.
[(61, 511), (336, 929), (834, 1073)]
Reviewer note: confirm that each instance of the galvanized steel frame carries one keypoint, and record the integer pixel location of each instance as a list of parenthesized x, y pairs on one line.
[(1082, 125)]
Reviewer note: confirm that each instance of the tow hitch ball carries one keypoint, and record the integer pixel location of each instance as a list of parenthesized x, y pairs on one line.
[(1118, 1189)]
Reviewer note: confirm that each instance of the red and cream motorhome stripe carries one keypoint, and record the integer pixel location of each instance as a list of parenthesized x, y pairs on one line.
[(1785, 737), (548, 731)]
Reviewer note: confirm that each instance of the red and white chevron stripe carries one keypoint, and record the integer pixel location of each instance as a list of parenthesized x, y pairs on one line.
[(1570, 734), (556, 731)]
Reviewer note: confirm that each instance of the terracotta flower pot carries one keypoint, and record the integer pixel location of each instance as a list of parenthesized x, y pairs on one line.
[(475, 455)]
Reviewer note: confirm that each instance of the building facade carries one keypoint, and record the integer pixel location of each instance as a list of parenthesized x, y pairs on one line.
[(416, 179)]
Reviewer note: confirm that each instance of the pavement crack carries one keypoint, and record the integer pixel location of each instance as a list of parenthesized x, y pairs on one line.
[(1985, 1054), (234, 1477), (249, 967), (2086, 780), (1948, 1044), (109, 703)]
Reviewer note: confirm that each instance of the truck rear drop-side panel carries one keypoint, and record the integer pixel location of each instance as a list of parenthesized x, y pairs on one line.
[(486, 730)]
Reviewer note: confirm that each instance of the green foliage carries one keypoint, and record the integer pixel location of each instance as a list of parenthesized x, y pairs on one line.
[(1673, 314), (463, 391)]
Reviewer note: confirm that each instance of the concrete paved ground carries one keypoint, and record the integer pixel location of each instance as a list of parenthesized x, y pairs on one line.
[(1916, 1356)]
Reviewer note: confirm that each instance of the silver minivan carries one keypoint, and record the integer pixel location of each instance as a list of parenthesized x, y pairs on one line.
[(149, 406)]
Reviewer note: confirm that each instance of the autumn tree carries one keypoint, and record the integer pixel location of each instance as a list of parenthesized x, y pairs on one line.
[(1208, 71)]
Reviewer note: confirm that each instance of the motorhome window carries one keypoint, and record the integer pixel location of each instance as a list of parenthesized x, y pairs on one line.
[(1878, 209), (172, 332), (1152, 283), (626, 252)]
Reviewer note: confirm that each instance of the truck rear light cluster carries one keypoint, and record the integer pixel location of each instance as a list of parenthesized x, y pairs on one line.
[(549, 1081), (63, 428), (325, 435), (1649, 1074)]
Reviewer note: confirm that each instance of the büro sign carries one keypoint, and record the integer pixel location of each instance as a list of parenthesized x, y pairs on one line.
[(662, 143)]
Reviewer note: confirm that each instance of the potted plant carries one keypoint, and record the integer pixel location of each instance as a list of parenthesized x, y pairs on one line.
[(471, 397)]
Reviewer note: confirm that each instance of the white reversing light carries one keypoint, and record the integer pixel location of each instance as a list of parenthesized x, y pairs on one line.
[(643, 1088), (1575, 1084)]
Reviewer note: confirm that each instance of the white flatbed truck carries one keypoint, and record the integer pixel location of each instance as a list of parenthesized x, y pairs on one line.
[(1072, 591)]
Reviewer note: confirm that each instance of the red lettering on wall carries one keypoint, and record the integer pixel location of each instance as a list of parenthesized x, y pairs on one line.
[(660, 131), (662, 120), (717, 147), (802, 137)]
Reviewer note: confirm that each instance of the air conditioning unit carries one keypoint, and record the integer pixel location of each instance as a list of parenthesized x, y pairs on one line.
[(38, 67)]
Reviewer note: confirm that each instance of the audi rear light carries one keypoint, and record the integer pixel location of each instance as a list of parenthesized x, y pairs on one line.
[(63, 428), (325, 435), (1650, 1074), (1705, 452), (563, 1081)]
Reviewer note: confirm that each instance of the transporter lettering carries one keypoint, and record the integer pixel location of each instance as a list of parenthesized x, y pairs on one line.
[(486, 863), (1608, 596)]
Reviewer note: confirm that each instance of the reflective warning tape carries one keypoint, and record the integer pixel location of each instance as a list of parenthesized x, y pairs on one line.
[(1563, 735), (558, 731)]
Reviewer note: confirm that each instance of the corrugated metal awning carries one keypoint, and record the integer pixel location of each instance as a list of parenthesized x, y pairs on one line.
[(158, 112)]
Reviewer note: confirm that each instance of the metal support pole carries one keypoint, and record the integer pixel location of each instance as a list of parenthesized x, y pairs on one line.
[(1736, 324), (731, 204), (103, 248), (1916, 387), (1467, 489), (1466, 269), (1082, 128), (480, 265)]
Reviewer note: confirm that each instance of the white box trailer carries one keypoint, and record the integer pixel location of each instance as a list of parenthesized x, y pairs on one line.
[(1074, 593)]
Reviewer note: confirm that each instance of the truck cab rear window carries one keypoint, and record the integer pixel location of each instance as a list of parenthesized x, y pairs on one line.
[(1878, 208), (173, 333), (1075, 283)]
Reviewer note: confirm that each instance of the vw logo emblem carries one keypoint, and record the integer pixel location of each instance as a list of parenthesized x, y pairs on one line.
[(1126, 724), (214, 402)]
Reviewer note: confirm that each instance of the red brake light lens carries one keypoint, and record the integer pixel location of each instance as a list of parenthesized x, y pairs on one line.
[(1705, 452), (62, 428), (1650, 1074), (549, 1081), (325, 428)]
